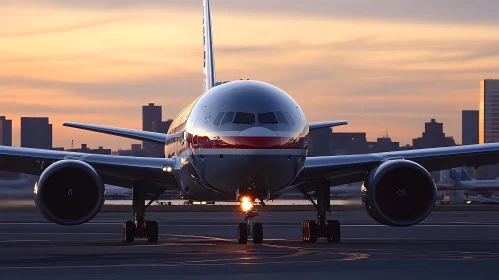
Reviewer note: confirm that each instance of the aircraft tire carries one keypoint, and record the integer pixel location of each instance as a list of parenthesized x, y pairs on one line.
[(333, 231), (242, 233), (152, 231), (257, 233), (128, 231)]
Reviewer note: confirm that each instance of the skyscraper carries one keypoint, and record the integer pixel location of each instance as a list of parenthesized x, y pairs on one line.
[(469, 124), (489, 111), (488, 124), (150, 114), (5, 131), (433, 137), (36, 133)]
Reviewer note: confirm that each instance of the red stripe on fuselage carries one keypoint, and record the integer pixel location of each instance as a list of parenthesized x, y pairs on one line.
[(248, 142)]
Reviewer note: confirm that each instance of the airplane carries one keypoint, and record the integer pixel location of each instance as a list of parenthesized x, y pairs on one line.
[(242, 141), (459, 179)]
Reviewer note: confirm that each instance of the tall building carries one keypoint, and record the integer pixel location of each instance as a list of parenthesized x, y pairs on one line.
[(161, 126), (158, 150), (489, 111), (150, 114), (433, 137), (348, 143), (383, 144), (469, 124), (5, 131), (36, 133), (488, 122)]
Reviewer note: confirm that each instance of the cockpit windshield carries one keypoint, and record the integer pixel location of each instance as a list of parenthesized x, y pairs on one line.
[(244, 118), (267, 118)]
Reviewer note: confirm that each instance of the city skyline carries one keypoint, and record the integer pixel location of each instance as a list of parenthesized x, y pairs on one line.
[(163, 125), (381, 68)]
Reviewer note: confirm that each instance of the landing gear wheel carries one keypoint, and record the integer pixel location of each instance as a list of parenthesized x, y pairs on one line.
[(128, 231), (309, 231), (257, 233), (313, 231), (242, 233), (333, 231), (152, 231)]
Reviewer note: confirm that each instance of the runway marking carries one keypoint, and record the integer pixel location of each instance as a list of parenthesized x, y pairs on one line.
[(268, 225)]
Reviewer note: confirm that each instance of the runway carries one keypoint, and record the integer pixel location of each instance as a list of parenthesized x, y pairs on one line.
[(194, 245)]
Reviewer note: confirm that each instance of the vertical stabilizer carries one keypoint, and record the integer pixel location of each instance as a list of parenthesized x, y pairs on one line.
[(209, 59)]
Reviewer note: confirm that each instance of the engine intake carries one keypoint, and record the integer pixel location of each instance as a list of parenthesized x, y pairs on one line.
[(69, 192), (399, 193)]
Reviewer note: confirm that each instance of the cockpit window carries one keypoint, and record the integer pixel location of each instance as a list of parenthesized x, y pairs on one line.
[(290, 119), (244, 118), (267, 118), (228, 118), (282, 118), (218, 119)]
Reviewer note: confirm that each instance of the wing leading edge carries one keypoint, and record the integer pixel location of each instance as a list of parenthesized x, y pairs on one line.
[(317, 125), (354, 168), (153, 137)]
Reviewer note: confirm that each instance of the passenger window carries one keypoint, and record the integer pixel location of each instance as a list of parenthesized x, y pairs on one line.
[(266, 118), (227, 118), (244, 118), (282, 118), (218, 119), (290, 119)]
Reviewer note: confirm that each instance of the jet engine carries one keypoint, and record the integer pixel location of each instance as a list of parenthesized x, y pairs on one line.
[(399, 193), (69, 192)]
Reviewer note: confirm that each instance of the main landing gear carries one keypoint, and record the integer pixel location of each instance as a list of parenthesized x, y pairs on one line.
[(248, 228), (330, 229), (139, 227)]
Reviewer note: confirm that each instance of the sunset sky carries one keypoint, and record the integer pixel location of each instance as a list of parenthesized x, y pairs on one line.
[(384, 65)]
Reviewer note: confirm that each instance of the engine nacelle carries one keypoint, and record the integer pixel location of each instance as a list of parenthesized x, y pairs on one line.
[(399, 193), (69, 192)]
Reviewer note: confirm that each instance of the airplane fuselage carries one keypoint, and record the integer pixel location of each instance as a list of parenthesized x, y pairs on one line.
[(241, 137)]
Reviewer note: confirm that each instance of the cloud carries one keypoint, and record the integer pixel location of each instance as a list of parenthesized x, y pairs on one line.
[(423, 11), (58, 29)]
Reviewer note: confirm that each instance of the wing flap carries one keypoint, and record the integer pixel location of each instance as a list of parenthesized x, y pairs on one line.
[(153, 137)]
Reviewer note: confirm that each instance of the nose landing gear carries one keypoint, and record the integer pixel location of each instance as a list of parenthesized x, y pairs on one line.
[(248, 228)]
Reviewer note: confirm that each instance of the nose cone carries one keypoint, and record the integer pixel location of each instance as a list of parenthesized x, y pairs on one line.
[(261, 166)]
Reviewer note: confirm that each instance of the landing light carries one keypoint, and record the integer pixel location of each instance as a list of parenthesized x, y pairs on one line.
[(246, 204), (167, 169)]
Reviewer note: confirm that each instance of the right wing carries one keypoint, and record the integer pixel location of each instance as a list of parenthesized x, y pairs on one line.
[(114, 170), (346, 169), (153, 137)]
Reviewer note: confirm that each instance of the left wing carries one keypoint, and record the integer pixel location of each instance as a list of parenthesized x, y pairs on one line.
[(114, 170), (317, 125), (153, 137), (355, 168)]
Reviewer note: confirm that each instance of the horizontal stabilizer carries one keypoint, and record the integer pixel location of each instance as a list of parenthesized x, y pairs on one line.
[(317, 125), (153, 137)]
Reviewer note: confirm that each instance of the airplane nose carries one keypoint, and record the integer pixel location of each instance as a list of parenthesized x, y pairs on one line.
[(256, 138)]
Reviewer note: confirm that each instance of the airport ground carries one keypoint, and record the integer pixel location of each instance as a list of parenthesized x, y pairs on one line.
[(194, 245)]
